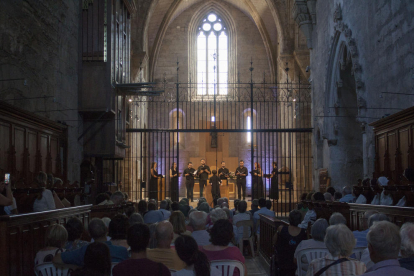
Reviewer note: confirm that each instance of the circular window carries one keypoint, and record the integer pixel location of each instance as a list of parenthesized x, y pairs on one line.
[(206, 27), (217, 27), (212, 17)]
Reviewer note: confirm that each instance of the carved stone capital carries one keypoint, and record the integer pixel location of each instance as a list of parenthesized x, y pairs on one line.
[(302, 17)]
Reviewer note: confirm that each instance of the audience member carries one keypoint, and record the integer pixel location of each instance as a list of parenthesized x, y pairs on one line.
[(269, 204), (175, 206), (117, 230), (135, 218), (254, 207), (340, 242), (347, 195), (153, 215), (331, 190), (184, 209), (204, 207), (139, 264), (198, 221), (337, 196), (407, 246), (361, 236), (129, 211), (169, 204), (242, 215), (337, 218), (177, 220), (75, 229), (98, 231), (142, 207), (309, 196), (101, 199), (286, 239), (328, 196), (164, 209), (221, 235), (164, 253), (236, 204), (217, 214), (117, 198), (228, 213), (97, 261), (264, 211), (384, 244), (46, 200), (55, 241), (310, 216), (318, 232), (7, 201)]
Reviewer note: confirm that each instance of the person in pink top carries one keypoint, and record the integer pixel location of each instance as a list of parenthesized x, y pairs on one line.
[(220, 236)]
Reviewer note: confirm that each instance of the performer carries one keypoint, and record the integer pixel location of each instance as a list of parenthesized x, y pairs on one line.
[(203, 171), (174, 182), (189, 180), (215, 182), (257, 181), (241, 173), (153, 185), (223, 171), (274, 185)]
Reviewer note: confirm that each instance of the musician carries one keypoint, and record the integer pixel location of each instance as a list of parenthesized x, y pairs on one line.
[(174, 182), (241, 173), (153, 185), (189, 180), (274, 186), (215, 182), (257, 181), (203, 171), (223, 172)]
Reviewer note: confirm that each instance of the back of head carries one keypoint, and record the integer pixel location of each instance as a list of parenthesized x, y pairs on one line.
[(101, 198), (236, 203), (268, 204), (41, 179), (377, 217), (177, 220), (339, 240), (129, 211), (309, 196), (318, 230), (175, 206), (303, 196), (255, 203), (164, 205), (222, 232), (331, 190), (164, 232), (220, 201), (337, 195), (75, 228), (169, 204), (97, 259), (56, 236), (346, 190), (118, 227), (217, 214), (152, 207), (138, 237), (187, 251), (135, 218), (295, 218), (385, 241), (204, 207), (226, 200), (327, 196), (224, 205), (106, 221), (142, 206), (262, 202), (184, 209), (97, 228), (118, 197), (198, 220), (318, 196), (242, 206), (337, 218), (227, 211), (407, 240)]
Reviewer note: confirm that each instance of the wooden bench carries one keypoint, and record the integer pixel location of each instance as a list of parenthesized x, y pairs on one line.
[(100, 211), (268, 228)]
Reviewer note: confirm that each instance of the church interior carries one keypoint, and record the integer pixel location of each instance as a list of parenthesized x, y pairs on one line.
[(306, 105)]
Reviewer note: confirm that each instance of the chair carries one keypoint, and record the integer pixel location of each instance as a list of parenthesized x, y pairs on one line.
[(49, 269), (247, 225), (311, 254), (228, 266)]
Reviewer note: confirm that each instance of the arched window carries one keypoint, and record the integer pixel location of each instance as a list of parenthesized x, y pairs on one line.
[(212, 56)]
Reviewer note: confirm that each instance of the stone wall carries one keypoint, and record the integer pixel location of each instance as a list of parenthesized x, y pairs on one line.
[(39, 43)]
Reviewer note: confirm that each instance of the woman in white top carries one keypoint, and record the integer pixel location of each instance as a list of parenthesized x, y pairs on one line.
[(55, 241), (46, 200)]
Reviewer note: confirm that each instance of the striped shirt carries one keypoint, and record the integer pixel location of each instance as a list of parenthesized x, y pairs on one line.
[(349, 268)]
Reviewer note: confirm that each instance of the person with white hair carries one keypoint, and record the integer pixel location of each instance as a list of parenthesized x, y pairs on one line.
[(198, 221), (337, 218), (347, 195), (407, 246), (217, 214), (328, 196), (340, 241)]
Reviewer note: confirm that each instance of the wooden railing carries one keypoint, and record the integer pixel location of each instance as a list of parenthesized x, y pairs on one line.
[(268, 227), (22, 236), (100, 211)]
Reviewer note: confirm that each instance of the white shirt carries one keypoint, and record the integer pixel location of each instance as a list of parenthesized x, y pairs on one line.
[(202, 237), (309, 216), (46, 203)]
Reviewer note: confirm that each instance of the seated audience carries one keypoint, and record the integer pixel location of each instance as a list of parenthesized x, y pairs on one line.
[(164, 210), (97, 261), (97, 231), (196, 261), (384, 243), (264, 211), (6, 197), (337, 218), (228, 213), (286, 239), (135, 218), (340, 242), (118, 230), (337, 196), (198, 221), (184, 209), (204, 207), (117, 198), (407, 246), (102, 199), (153, 215), (75, 229), (177, 220), (236, 204), (241, 215), (164, 253), (221, 235), (129, 211), (46, 200), (217, 214), (331, 190), (347, 195), (139, 264), (318, 232), (175, 206), (55, 242), (254, 207), (310, 215), (309, 196), (361, 236), (142, 207), (269, 204), (328, 196)]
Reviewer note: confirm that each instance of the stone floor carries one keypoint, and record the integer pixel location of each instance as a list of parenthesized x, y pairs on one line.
[(257, 266)]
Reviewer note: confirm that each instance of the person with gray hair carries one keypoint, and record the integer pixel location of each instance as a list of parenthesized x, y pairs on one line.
[(407, 246), (340, 242), (198, 221), (361, 236), (347, 195), (337, 218), (135, 218), (384, 244), (217, 214), (117, 198), (328, 196), (164, 210), (318, 232), (204, 207)]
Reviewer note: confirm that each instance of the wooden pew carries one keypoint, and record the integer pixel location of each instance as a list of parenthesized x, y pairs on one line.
[(268, 227), (22, 236), (100, 211)]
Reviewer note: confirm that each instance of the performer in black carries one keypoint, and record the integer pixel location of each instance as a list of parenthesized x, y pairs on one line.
[(223, 172), (189, 180), (153, 185), (203, 171), (174, 182), (241, 173), (215, 182), (274, 185), (257, 181)]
